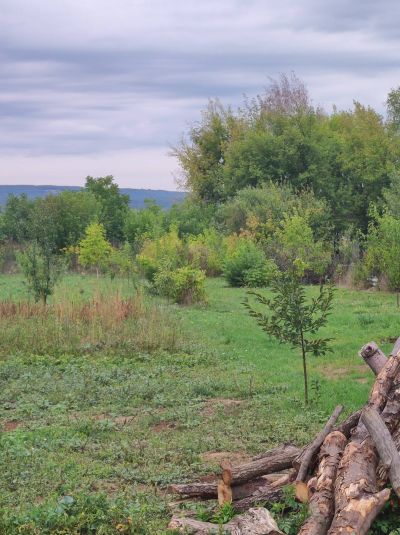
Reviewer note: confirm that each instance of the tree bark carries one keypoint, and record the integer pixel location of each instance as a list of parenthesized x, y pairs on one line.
[(308, 456), (349, 424), (256, 521), (261, 496), (322, 504), (274, 461), (383, 441), (373, 356), (357, 500), (209, 490)]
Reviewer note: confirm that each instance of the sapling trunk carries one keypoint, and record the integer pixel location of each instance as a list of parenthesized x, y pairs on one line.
[(304, 356)]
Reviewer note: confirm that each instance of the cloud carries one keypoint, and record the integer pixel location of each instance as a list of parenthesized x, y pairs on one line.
[(84, 81)]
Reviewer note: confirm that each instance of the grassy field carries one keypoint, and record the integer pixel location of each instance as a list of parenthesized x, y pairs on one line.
[(90, 438)]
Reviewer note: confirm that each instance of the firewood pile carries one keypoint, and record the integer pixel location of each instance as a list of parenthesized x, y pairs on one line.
[(346, 474)]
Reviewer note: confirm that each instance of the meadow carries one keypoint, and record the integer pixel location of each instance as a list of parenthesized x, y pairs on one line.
[(95, 423)]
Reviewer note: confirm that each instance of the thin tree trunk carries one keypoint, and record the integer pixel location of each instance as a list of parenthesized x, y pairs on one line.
[(304, 370)]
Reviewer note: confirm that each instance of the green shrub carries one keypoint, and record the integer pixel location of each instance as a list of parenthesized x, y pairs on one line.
[(168, 249), (184, 285), (245, 264), (205, 252), (259, 276)]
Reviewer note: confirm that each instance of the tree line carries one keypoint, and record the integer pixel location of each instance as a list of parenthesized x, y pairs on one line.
[(274, 184)]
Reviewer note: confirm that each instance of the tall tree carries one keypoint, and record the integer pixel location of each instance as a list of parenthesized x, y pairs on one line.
[(114, 205)]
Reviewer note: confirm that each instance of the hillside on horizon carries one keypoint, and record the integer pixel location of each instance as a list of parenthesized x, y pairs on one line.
[(163, 198)]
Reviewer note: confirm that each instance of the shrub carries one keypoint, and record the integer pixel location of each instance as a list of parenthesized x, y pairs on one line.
[(258, 276), (245, 264), (168, 249), (42, 269), (184, 285), (295, 243), (205, 252)]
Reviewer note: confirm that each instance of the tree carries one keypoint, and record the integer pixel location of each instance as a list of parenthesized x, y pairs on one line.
[(114, 205), (290, 319), (16, 218), (383, 250), (42, 270), (94, 249)]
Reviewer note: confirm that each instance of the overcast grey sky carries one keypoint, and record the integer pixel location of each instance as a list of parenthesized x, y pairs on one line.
[(105, 87)]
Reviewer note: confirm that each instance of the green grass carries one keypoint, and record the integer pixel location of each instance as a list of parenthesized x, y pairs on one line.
[(90, 441)]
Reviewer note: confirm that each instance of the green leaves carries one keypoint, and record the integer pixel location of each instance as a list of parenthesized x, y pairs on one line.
[(289, 318)]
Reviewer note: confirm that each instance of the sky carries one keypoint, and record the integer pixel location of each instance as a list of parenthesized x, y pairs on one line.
[(98, 87)]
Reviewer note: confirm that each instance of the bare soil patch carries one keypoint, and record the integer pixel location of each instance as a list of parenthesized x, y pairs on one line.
[(215, 457), (229, 406), (10, 425)]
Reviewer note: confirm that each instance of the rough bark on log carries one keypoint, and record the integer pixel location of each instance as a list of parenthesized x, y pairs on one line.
[(349, 424), (396, 347), (373, 356), (257, 521), (285, 449), (384, 444), (357, 501), (278, 460), (322, 503), (309, 455), (261, 496), (209, 490), (224, 485)]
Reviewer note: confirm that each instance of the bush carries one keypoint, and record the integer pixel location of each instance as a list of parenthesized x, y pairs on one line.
[(245, 264), (258, 276), (205, 252), (184, 285), (168, 249)]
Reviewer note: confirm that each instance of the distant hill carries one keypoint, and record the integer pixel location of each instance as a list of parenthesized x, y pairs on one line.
[(163, 198)]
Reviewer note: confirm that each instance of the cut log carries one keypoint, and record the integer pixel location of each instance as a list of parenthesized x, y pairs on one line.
[(286, 449), (224, 485), (309, 455), (208, 491), (396, 347), (373, 356), (347, 426), (322, 503), (261, 496), (357, 500), (256, 521), (383, 441), (277, 460)]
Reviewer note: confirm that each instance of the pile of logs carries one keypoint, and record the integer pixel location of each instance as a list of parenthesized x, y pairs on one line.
[(346, 474)]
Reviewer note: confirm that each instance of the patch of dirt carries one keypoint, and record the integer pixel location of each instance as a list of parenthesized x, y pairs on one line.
[(333, 372), (164, 426), (229, 406), (215, 457), (362, 380), (109, 487), (10, 425), (124, 420)]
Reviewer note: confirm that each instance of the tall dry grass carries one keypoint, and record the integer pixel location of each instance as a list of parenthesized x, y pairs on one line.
[(107, 322)]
